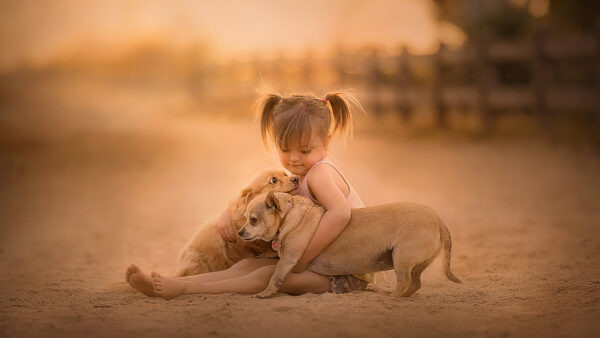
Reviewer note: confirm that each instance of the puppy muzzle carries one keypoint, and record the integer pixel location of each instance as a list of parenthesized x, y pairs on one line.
[(244, 235)]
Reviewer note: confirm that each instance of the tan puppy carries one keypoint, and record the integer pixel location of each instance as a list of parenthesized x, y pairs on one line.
[(404, 236), (207, 251)]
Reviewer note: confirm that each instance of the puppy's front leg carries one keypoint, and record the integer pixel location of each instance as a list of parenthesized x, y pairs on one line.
[(282, 269)]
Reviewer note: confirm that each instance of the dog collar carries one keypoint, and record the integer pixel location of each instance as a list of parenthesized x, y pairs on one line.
[(276, 242)]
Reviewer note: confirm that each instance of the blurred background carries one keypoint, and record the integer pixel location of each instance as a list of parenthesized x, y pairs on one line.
[(514, 66), (125, 124)]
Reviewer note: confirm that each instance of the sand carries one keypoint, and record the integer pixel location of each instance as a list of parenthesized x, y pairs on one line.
[(77, 207)]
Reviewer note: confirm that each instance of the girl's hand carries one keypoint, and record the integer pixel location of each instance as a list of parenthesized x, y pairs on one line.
[(226, 227)]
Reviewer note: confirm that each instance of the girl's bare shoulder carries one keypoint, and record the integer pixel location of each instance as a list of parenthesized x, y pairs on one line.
[(320, 173), (324, 176)]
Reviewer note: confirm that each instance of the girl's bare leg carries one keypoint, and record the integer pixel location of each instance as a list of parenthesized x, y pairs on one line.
[(143, 282), (253, 282), (239, 269)]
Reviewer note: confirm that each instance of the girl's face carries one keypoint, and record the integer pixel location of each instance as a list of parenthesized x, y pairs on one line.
[(297, 159)]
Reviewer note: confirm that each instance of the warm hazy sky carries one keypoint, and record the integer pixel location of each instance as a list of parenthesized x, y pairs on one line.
[(40, 30)]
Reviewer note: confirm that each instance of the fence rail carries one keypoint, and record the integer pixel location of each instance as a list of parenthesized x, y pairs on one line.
[(543, 74), (536, 58)]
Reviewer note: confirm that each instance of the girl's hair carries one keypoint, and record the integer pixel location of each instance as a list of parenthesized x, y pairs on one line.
[(295, 118)]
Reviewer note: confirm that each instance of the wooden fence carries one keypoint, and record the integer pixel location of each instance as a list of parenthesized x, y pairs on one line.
[(541, 75), (540, 89)]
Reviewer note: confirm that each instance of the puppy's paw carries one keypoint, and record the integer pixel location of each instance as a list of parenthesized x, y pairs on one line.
[(265, 294)]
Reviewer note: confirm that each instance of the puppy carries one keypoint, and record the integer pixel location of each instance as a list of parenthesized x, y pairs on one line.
[(207, 251), (404, 236)]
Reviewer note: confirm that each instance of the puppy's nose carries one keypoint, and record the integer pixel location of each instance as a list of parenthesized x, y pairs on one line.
[(241, 232), (295, 180)]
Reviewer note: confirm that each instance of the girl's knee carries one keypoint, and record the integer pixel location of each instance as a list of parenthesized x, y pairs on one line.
[(305, 282), (266, 271), (259, 278), (263, 274)]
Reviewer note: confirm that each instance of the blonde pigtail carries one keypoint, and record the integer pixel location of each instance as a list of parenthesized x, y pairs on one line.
[(265, 106), (340, 106)]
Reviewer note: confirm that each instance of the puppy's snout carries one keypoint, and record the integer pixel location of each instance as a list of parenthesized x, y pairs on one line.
[(295, 180), (241, 232)]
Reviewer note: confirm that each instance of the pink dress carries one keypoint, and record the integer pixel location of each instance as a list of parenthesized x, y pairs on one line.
[(340, 284)]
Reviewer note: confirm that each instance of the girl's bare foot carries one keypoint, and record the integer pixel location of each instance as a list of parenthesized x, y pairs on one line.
[(168, 288), (139, 280)]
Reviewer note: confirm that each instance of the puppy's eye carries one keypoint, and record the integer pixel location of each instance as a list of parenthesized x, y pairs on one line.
[(273, 180), (252, 220)]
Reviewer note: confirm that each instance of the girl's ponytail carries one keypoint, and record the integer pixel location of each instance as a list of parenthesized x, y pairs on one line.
[(340, 106), (265, 106)]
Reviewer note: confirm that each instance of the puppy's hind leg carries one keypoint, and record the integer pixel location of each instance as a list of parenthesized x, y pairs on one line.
[(403, 276), (403, 264), (416, 277), (414, 251), (409, 261)]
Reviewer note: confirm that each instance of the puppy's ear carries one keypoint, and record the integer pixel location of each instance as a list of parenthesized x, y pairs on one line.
[(244, 198), (272, 202)]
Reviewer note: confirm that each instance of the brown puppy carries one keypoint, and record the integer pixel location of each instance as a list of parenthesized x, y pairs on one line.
[(404, 236), (207, 251)]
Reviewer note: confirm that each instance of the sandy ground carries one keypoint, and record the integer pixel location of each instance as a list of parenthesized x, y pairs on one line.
[(77, 207)]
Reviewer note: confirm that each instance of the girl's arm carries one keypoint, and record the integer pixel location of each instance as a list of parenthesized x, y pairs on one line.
[(226, 227), (334, 220)]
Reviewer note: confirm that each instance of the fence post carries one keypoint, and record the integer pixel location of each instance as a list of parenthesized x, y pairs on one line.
[(438, 84), (339, 66), (540, 79), (484, 80), (278, 70), (258, 70), (403, 80), (374, 80), (196, 73), (308, 66)]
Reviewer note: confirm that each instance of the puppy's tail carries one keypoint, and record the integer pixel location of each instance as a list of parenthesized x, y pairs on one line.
[(447, 247)]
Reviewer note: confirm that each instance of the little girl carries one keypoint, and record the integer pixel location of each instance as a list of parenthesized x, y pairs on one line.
[(301, 127)]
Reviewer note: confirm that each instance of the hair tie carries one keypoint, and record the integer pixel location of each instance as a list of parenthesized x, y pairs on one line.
[(325, 100)]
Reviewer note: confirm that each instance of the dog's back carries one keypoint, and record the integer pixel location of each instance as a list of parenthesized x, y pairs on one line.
[(367, 243)]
